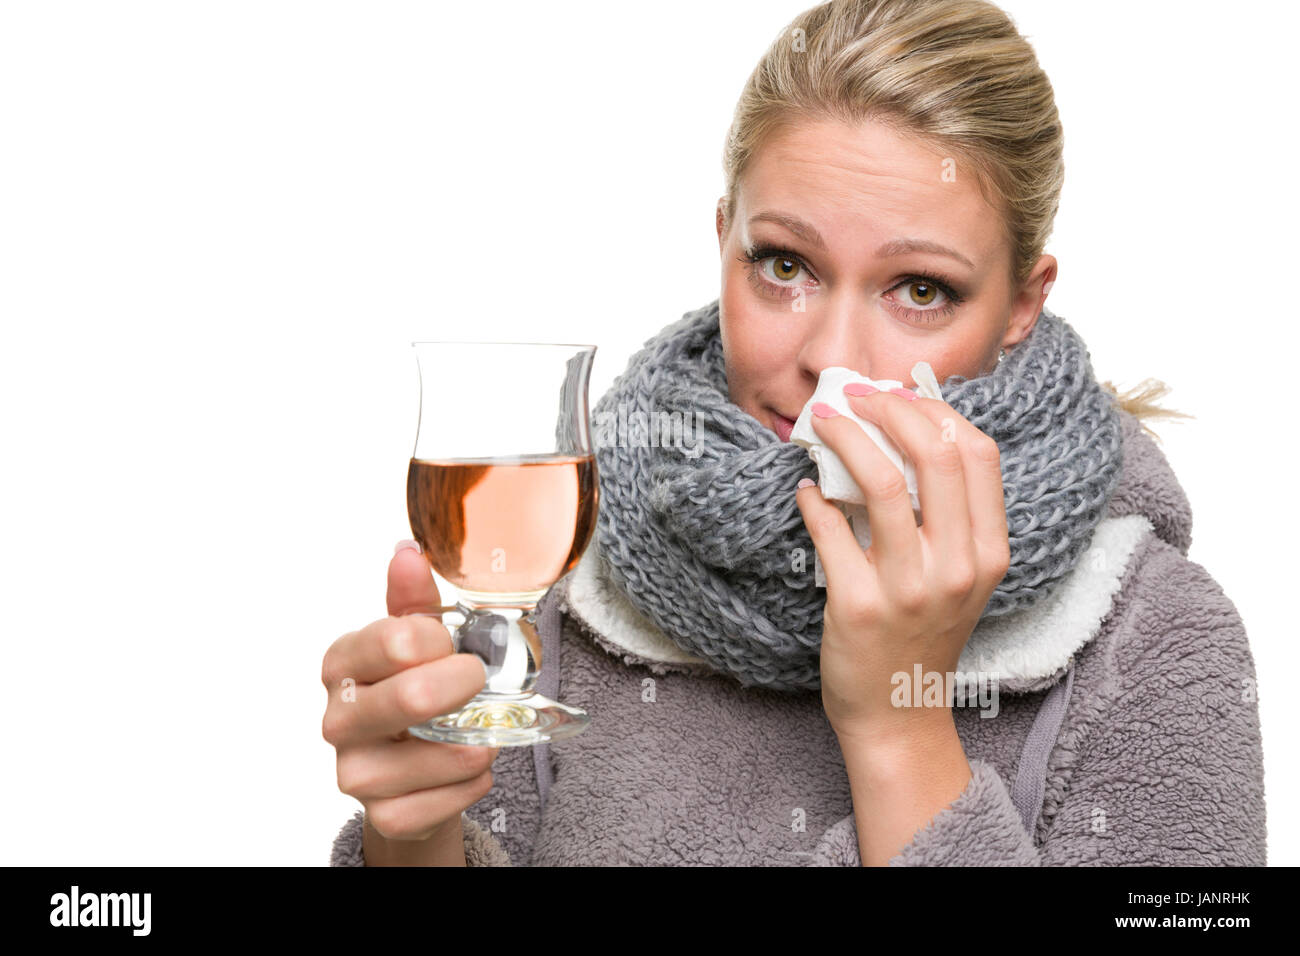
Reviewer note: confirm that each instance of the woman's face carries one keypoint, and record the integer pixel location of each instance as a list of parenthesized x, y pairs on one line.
[(847, 224)]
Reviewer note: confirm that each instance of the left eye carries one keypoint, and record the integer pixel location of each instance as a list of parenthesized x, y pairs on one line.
[(926, 295)]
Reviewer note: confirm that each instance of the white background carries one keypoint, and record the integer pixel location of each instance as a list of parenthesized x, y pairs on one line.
[(222, 223)]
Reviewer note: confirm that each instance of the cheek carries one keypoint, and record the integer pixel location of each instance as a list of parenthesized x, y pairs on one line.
[(963, 351), (755, 348)]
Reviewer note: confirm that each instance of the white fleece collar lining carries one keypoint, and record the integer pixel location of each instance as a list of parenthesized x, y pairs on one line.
[(1026, 645)]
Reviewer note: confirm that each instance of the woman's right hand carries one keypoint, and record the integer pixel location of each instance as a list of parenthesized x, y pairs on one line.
[(403, 671)]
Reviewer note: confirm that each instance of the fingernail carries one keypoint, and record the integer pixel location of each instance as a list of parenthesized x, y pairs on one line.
[(906, 393), (859, 388), (806, 482), (408, 543), (822, 410)]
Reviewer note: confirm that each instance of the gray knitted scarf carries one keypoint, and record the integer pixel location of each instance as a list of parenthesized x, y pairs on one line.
[(698, 523)]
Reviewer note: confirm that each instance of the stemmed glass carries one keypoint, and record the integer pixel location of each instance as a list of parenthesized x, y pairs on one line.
[(502, 495)]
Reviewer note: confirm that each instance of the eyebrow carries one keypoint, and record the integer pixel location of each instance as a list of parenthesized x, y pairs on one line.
[(895, 247)]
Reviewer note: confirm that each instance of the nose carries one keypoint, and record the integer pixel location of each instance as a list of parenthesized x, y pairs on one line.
[(835, 336)]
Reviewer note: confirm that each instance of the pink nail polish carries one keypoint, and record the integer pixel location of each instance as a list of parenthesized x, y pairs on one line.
[(906, 393), (822, 410), (859, 388)]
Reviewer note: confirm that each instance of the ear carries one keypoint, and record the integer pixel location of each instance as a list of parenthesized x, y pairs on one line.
[(1028, 300), (722, 221)]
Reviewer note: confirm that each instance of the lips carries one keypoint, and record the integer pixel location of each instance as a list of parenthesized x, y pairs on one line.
[(784, 426)]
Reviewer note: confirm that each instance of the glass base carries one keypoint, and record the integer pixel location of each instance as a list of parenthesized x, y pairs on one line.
[(504, 721)]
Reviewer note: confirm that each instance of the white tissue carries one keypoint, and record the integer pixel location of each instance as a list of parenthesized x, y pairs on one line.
[(833, 477)]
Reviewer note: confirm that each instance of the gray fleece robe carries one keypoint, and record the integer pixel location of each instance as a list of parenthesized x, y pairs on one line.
[(1124, 730)]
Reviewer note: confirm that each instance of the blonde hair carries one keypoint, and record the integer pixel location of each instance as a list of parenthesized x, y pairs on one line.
[(955, 74)]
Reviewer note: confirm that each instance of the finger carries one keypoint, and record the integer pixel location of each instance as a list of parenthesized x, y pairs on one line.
[(982, 471), (894, 537), (414, 816), (841, 556), (392, 768), (410, 583), (410, 696), (940, 469), (384, 647)]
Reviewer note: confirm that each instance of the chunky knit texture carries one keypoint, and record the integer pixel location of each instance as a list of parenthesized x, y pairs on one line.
[(701, 529)]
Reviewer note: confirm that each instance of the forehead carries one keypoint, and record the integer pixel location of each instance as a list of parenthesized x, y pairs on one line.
[(866, 182)]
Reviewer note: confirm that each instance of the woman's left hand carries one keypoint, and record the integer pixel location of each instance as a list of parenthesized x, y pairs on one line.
[(915, 595)]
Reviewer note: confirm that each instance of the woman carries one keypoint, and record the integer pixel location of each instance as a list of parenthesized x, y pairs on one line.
[(1034, 675)]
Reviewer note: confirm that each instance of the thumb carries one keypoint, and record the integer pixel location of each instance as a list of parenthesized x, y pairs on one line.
[(842, 557), (410, 581)]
